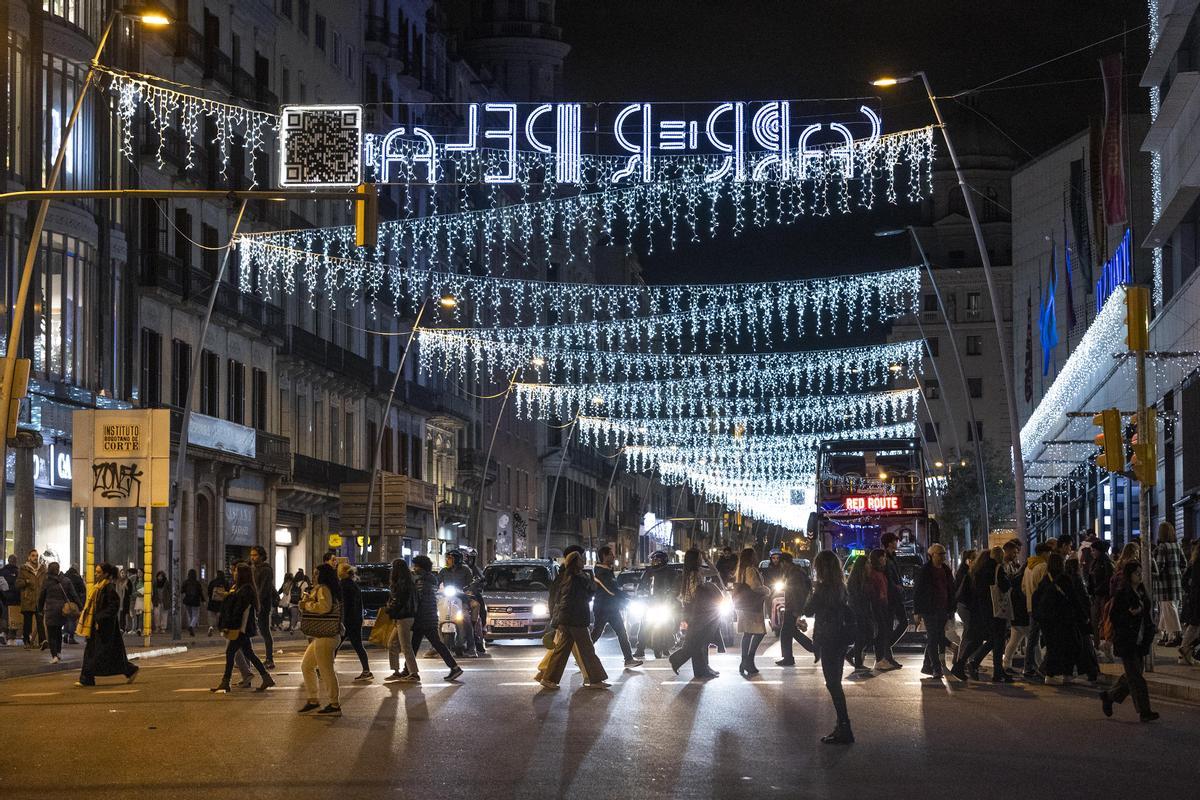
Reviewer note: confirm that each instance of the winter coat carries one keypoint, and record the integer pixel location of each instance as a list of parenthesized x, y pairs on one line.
[(160, 594), (192, 593), (105, 650), (264, 585), (77, 584), (990, 574), (1189, 609), (659, 582), (56, 592), (29, 581), (1035, 572), (1059, 615), (426, 618), (12, 596), (238, 611), (214, 588), (459, 576), (749, 602), (402, 600), (1100, 575), (352, 607), (1020, 603), (1133, 627), (572, 609), (726, 566), (1169, 565), (925, 601), (833, 629), (609, 598)]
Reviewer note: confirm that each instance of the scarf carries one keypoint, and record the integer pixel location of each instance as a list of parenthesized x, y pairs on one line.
[(86, 617)]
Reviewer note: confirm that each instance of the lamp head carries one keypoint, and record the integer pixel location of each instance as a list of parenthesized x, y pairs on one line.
[(888, 81), (885, 234), (537, 361), (151, 15), (448, 301)]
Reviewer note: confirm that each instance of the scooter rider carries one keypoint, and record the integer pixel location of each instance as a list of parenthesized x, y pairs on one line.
[(457, 574), (475, 595), (659, 583)]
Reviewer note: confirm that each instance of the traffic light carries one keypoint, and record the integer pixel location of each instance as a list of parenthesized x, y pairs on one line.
[(1112, 448), (1137, 317), (366, 216), (1145, 451)]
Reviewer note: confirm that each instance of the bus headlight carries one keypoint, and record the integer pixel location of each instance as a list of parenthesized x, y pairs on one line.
[(541, 610)]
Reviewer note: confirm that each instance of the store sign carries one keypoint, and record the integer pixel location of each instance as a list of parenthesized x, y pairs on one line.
[(889, 503), (1117, 271), (122, 458), (220, 434), (760, 141), (241, 524)]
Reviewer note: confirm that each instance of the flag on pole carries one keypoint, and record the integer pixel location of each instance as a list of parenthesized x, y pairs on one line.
[(1112, 155), (1048, 319), (1029, 347), (1067, 269)]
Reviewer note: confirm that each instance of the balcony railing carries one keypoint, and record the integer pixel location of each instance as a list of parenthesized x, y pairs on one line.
[(219, 67), (308, 346), (318, 472), (164, 271)]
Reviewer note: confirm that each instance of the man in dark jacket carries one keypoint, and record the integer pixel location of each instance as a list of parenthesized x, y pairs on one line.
[(268, 598), (81, 592), (796, 591), (1133, 633), (12, 596), (608, 604), (727, 565), (457, 574), (1099, 579), (933, 602), (890, 542), (425, 623)]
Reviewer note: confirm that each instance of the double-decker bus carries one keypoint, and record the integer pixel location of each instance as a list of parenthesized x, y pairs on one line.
[(869, 487)]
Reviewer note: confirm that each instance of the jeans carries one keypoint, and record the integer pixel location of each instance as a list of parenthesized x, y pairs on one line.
[(898, 623), (695, 648), (993, 640), (883, 634), (193, 617), (864, 634), (264, 628), (832, 668), (1133, 682), (435, 640), (354, 637), (54, 635), (787, 632), (612, 618), (935, 642), (31, 630), (241, 644), (1016, 634), (402, 642), (318, 658), (750, 643), (579, 640), (1033, 648)]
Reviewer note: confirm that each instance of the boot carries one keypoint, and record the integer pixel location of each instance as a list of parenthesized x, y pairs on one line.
[(841, 735)]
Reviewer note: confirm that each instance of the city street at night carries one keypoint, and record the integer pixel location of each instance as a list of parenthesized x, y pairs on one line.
[(496, 733)]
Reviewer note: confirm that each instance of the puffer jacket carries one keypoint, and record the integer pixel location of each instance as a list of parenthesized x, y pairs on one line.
[(427, 611), (55, 593), (573, 608)]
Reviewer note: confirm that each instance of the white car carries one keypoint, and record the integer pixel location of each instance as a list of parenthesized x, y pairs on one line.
[(516, 594)]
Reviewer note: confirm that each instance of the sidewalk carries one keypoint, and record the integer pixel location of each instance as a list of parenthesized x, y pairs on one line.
[(16, 661), (1170, 679)]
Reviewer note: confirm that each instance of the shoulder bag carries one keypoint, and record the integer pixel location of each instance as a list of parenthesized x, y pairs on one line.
[(1001, 600), (322, 626)]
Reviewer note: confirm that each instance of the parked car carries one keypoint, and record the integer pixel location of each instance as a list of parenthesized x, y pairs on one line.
[(517, 596)]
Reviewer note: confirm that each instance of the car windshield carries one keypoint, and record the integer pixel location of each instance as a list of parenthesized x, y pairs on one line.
[(516, 578), (373, 577)]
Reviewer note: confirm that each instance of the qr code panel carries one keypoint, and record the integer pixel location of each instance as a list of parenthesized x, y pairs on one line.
[(322, 146)]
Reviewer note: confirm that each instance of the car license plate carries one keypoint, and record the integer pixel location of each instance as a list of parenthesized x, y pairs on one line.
[(509, 623), (369, 622)]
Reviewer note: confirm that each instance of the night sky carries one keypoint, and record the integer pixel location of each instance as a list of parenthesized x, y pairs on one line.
[(664, 50)]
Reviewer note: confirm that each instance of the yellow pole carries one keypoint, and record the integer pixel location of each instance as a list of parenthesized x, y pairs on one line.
[(147, 579), (89, 550)]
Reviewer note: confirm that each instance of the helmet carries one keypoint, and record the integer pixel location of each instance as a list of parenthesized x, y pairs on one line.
[(456, 555), (468, 552), (658, 556), (775, 551)]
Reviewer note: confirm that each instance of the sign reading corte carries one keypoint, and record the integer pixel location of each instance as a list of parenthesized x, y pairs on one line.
[(121, 458)]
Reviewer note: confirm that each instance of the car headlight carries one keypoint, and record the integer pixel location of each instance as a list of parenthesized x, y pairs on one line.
[(541, 610), (637, 610), (450, 591), (661, 614), (778, 586), (727, 607)]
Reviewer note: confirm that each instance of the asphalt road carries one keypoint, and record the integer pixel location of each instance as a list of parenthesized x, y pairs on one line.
[(499, 735)]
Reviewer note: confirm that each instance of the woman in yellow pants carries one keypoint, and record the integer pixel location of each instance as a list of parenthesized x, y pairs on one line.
[(321, 621)]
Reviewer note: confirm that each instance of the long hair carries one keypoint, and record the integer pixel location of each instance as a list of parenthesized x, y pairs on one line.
[(828, 572), (691, 560), (243, 575), (1166, 532), (401, 576), (1129, 552), (985, 561), (858, 572), (747, 559), (327, 577)]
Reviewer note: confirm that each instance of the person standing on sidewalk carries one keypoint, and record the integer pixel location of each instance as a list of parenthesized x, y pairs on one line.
[(1190, 609), (100, 622), (191, 595), (53, 608), (572, 617), (12, 596), (608, 604), (402, 608), (425, 625), (933, 601), (264, 587), (218, 587), (1133, 633), (239, 613), (1169, 565), (352, 618), (160, 599), (81, 592), (300, 586), (321, 621), (29, 582), (1099, 585), (833, 631)]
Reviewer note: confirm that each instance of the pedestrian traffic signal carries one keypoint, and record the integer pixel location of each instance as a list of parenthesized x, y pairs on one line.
[(366, 216), (1145, 451), (1137, 317), (1112, 447)]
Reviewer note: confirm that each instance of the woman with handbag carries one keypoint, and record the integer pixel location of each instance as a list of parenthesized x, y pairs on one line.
[(100, 622), (749, 594), (56, 604), (321, 622), (402, 609), (990, 614), (237, 623), (218, 588)]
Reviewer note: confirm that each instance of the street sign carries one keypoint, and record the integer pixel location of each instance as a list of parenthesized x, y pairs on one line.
[(391, 503), (335, 541), (121, 459)]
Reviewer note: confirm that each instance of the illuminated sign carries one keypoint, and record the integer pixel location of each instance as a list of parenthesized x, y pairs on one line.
[(1117, 271), (889, 503)]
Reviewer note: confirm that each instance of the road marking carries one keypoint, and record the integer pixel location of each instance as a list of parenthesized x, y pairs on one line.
[(36, 694), (194, 690), (116, 691)]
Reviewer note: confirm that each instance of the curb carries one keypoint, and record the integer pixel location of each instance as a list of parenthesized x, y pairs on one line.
[(74, 663), (157, 653)]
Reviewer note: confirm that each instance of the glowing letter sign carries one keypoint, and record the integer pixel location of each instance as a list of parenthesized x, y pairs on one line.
[(888, 503)]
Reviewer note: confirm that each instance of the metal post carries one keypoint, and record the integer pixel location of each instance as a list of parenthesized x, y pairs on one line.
[(998, 318), (487, 462), (553, 494), (1144, 491), (387, 410), (962, 380), (604, 509), (186, 421)]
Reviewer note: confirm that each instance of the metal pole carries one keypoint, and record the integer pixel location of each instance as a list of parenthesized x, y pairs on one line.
[(561, 461), (997, 318), (937, 376), (962, 381), (1144, 491), (387, 410), (13, 349), (185, 423), (607, 491), (487, 461), (645, 507)]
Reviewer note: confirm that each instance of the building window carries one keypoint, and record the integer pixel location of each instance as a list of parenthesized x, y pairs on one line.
[(302, 17), (977, 431), (210, 383), (975, 387), (302, 429), (258, 399), (318, 427), (335, 435), (285, 8), (337, 49), (208, 256), (932, 390), (351, 435), (235, 408), (929, 303), (931, 432), (418, 459), (151, 368), (64, 319), (319, 32), (974, 305), (181, 368), (932, 343), (974, 345)]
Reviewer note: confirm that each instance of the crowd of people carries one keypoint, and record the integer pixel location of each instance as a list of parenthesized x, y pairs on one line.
[(1052, 617)]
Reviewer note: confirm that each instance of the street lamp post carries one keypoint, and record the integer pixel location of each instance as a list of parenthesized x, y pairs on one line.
[(147, 16), (997, 310), (447, 302), (562, 460)]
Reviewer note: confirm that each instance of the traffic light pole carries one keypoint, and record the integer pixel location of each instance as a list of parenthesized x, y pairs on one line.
[(1144, 489)]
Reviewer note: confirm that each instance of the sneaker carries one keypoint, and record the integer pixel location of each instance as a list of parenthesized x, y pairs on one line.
[(455, 673), (883, 666), (959, 673), (221, 689), (633, 662), (131, 677), (1186, 657), (331, 710), (267, 683), (244, 683), (210, 630), (395, 676), (1106, 703), (1150, 716), (598, 685), (364, 676), (895, 664), (410, 679), (83, 684), (307, 707), (785, 662), (1054, 680), (54, 659), (551, 685)]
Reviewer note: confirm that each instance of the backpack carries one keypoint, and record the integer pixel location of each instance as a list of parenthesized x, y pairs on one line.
[(297, 586)]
